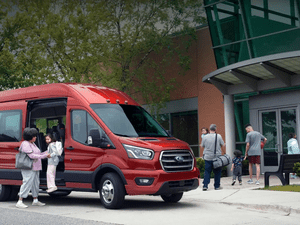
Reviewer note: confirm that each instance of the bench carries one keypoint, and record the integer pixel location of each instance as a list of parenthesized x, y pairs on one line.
[(286, 165)]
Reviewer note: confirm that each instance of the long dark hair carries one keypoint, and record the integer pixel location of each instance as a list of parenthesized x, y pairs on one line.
[(51, 137), (292, 135)]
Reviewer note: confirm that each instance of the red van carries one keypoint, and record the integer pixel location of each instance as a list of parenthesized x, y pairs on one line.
[(111, 144)]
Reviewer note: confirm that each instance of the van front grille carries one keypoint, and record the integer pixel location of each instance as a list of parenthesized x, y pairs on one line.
[(177, 160)]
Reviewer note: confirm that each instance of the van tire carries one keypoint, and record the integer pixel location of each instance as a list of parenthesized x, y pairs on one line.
[(112, 191), (172, 198), (5, 191), (14, 193)]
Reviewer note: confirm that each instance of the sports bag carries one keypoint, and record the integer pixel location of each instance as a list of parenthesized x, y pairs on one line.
[(221, 160)]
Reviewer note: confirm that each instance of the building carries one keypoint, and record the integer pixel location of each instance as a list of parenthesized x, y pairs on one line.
[(256, 44), (245, 68), (194, 104)]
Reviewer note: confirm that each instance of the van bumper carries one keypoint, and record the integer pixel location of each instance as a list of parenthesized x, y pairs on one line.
[(163, 183), (172, 187)]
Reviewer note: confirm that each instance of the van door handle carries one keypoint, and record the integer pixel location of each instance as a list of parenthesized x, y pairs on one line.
[(16, 148), (70, 148)]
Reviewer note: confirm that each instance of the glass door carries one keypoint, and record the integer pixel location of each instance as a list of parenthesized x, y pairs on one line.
[(276, 124)]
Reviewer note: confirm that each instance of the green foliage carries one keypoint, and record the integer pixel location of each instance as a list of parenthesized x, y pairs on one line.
[(245, 167), (296, 168), (123, 44), (292, 188), (201, 166)]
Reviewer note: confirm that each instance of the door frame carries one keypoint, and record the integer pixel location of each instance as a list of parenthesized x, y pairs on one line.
[(279, 151)]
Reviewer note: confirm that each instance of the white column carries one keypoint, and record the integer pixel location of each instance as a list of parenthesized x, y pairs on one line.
[(229, 127)]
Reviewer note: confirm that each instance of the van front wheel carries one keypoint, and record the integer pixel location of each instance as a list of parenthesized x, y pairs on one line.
[(112, 191), (172, 198)]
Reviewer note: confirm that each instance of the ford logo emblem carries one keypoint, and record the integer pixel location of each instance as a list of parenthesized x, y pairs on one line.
[(179, 159)]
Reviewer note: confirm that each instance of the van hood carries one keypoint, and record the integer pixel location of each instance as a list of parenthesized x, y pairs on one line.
[(155, 143)]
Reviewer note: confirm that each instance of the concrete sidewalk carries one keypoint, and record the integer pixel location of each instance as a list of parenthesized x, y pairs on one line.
[(249, 195)]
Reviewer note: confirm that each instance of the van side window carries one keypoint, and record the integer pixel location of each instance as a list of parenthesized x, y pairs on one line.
[(10, 126), (82, 123)]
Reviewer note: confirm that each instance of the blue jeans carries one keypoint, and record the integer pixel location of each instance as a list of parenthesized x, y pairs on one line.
[(207, 172)]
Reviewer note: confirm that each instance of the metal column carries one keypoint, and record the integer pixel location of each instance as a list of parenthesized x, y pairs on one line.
[(229, 127)]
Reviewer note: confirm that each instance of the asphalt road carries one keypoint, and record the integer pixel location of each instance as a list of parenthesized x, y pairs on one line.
[(85, 208)]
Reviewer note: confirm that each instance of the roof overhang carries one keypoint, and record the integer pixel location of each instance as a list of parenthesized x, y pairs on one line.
[(258, 74)]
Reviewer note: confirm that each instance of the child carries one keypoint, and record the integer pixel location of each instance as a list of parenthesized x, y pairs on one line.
[(204, 132), (237, 166), (55, 150)]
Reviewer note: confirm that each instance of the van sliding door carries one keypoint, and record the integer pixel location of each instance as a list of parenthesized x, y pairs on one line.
[(12, 122)]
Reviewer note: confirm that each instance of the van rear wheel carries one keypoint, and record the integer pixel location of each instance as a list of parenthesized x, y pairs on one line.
[(172, 198), (112, 191), (5, 191), (14, 193)]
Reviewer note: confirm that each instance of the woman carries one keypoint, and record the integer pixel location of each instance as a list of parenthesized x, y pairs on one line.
[(31, 178)]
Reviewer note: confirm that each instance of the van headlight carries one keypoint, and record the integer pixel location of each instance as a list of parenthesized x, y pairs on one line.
[(138, 153)]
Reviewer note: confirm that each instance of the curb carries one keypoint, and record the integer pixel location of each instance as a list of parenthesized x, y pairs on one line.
[(284, 209)]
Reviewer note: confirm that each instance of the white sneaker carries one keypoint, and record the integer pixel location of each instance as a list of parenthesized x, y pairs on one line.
[(250, 181), (21, 205), (257, 182), (52, 189), (38, 203)]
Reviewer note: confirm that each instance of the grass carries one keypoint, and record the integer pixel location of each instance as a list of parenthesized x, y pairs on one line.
[(291, 188)]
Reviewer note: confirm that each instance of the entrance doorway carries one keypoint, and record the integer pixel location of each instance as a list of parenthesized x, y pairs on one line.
[(276, 124)]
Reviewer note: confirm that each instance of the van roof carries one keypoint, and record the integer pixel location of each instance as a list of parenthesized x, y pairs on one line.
[(86, 92)]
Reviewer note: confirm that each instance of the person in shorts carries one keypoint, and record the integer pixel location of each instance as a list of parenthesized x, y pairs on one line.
[(253, 151)]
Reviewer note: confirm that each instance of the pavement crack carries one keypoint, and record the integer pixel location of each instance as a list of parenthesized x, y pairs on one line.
[(230, 194)]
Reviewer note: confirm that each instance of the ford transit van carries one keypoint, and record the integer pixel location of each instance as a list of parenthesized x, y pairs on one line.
[(111, 144)]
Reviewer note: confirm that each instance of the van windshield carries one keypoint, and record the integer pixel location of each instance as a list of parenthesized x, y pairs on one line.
[(128, 120)]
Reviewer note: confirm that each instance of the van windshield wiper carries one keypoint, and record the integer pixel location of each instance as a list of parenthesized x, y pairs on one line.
[(123, 135)]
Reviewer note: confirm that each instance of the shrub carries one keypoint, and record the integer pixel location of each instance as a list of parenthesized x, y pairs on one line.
[(200, 165), (245, 167), (296, 168)]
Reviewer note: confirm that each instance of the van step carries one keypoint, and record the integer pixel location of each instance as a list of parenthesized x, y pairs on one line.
[(59, 182)]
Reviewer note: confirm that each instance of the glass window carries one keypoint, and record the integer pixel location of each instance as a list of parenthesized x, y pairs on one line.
[(185, 127), (269, 128), (10, 126), (82, 124), (272, 16), (164, 120), (269, 23), (128, 120), (79, 126), (288, 125), (225, 22), (283, 42)]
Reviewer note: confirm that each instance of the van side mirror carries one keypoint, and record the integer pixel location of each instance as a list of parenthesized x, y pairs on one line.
[(96, 140)]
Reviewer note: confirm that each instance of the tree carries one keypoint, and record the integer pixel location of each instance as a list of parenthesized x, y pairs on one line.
[(13, 73), (105, 42)]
